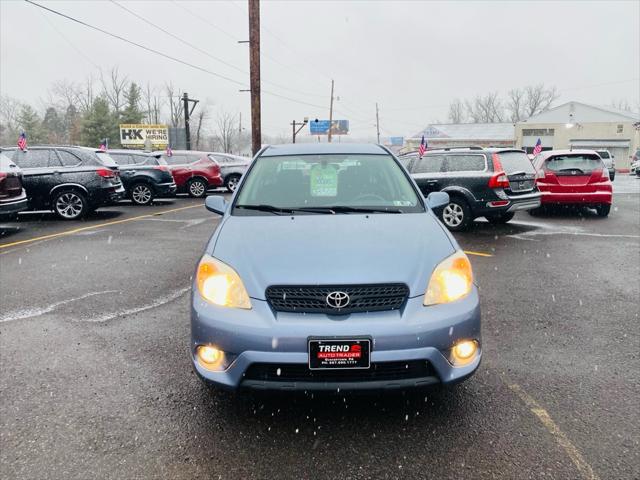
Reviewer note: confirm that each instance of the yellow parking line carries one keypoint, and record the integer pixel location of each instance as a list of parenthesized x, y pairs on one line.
[(478, 254), (90, 227), (583, 467)]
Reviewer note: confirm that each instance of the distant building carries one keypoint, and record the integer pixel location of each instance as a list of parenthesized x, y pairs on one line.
[(579, 125), (464, 134)]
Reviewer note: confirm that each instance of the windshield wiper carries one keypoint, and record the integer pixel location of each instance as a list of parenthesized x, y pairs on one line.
[(283, 210), (347, 209)]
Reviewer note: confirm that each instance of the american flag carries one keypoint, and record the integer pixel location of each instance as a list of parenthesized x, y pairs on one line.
[(538, 148), (423, 147), (169, 151), (22, 141), (103, 144)]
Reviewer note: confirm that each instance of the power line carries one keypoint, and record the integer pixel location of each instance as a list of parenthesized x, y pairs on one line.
[(175, 59)]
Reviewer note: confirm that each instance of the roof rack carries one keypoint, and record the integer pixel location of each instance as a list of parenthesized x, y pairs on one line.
[(462, 147)]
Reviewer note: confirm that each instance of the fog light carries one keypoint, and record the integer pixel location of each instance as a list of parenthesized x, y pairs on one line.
[(210, 357), (463, 352)]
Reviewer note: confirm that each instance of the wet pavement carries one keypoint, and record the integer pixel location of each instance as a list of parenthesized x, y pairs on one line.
[(95, 379)]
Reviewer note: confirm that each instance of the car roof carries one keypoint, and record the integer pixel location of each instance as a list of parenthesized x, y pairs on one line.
[(323, 148), (180, 152), (474, 149), (575, 151), (125, 150), (76, 147)]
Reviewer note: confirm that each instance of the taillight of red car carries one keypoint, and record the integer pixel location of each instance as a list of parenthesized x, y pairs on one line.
[(499, 179)]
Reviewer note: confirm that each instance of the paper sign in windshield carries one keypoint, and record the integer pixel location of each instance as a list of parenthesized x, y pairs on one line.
[(324, 181)]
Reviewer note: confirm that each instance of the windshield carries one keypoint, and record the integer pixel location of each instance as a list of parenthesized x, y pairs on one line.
[(106, 159), (584, 162), (603, 154), (315, 181), (516, 162)]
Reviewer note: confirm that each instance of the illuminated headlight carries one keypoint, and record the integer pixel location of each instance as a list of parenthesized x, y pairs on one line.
[(451, 280), (463, 352), (220, 285)]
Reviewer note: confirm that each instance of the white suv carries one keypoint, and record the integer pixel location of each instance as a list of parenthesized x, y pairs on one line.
[(609, 162)]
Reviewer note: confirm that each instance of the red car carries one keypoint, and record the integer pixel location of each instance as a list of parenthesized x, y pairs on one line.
[(574, 177), (193, 172)]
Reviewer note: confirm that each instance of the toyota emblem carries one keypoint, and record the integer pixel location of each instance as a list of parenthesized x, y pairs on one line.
[(338, 299)]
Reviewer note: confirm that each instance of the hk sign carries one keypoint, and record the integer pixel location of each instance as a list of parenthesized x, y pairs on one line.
[(147, 137)]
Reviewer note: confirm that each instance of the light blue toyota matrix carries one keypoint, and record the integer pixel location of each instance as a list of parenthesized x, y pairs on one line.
[(329, 271)]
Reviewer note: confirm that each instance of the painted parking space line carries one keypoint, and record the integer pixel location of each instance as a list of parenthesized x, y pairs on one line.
[(91, 227), (576, 457), (478, 254)]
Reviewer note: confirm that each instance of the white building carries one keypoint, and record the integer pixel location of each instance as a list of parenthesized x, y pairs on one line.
[(579, 125), (464, 134)]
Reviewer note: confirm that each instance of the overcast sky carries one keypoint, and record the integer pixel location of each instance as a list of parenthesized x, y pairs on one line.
[(412, 58)]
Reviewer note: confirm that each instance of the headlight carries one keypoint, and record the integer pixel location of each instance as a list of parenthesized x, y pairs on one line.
[(219, 284), (451, 280)]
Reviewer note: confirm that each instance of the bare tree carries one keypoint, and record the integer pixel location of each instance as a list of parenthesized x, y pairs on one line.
[(152, 103), (175, 105), (199, 120), (86, 95), (515, 104), (114, 89), (539, 98), (622, 104), (9, 113), (227, 130), (485, 109), (456, 111)]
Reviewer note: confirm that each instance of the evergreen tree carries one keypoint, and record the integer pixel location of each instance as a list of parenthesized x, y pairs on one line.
[(53, 126), (29, 121), (99, 123), (72, 125), (132, 112)]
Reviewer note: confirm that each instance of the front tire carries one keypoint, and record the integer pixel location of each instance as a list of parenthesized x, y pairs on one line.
[(232, 182), (603, 210), (197, 188), (456, 215), (497, 219), (70, 205), (142, 194)]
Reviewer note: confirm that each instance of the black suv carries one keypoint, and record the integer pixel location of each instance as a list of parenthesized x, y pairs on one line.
[(71, 181), (481, 182), (144, 176)]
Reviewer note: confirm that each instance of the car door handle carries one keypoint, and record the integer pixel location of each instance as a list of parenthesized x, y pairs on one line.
[(56, 172)]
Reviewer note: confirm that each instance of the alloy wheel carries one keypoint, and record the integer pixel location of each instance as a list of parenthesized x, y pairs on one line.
[(69, 205), (197, 188), (453, 215), (141, 194), (232, 183)]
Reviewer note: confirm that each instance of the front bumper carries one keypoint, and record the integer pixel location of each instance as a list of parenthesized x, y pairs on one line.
[(14, 205), (262, 336)]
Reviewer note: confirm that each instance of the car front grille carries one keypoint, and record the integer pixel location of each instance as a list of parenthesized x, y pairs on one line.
[(381, 371), (315, 299)]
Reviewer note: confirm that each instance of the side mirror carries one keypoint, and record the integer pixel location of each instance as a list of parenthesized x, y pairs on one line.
[(216, 204), (437, 200)]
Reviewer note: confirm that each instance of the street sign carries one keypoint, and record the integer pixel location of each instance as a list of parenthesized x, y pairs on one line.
[(321, 127), (396, 141), (139, 135)]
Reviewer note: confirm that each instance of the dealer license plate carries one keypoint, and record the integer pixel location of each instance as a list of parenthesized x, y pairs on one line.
[(339, 353)]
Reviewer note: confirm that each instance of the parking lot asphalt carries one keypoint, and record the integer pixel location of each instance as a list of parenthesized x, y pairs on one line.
[(96, 382)]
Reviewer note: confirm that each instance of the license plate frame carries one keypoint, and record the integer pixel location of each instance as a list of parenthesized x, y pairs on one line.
[(358, 358)]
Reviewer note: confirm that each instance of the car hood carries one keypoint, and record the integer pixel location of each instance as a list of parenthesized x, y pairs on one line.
[(332, 249)]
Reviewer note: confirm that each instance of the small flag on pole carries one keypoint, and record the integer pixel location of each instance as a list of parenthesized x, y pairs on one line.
[(538, 148), (104, 144), (22, 141), (169, 151), (423, 147)]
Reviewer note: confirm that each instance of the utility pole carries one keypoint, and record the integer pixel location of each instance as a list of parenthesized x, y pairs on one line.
[(294, 124), (254, 71), (330, 113), (187, 113), (377, 123)]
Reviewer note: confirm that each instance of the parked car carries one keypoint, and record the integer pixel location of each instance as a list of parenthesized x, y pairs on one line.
[(609, 162), (635, 163), (232, 167), (72, 181), (13, 198), (481, 182), (574, 177), (194, 172), (145, 176), (299, 287)]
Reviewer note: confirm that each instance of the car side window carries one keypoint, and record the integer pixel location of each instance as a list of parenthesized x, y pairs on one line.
[(138, 159), (428, 164), (175, 159), (193, 158), (68, 159), (121, 158), (220, 159), (465, 163), (32, 158)]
